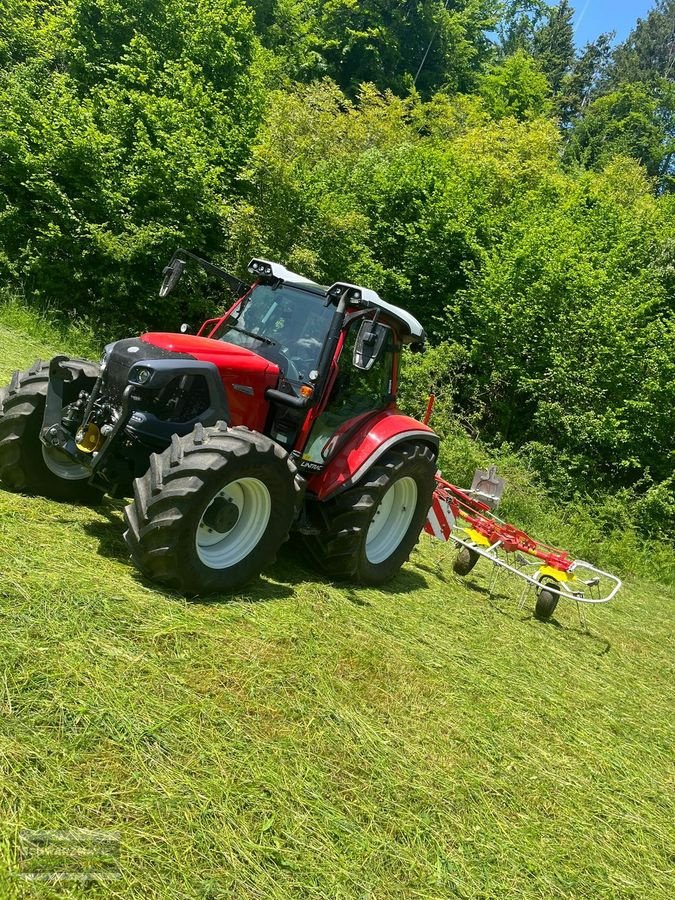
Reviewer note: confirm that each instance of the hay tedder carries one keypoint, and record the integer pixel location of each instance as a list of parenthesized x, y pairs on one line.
[(467, 518)]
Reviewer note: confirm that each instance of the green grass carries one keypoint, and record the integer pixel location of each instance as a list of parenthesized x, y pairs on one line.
[(307, 740)]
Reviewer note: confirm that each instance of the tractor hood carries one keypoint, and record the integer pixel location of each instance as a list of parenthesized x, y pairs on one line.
[(246, 375), (227, 357)]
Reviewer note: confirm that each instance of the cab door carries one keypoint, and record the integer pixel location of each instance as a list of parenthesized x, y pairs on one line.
[(364, 385)]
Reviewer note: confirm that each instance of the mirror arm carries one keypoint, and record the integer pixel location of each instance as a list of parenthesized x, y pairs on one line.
[(237, 287)]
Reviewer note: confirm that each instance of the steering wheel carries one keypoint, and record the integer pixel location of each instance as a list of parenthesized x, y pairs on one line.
[(306, 355), (292, 373)]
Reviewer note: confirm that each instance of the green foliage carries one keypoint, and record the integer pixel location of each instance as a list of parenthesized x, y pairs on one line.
[(545, 33), (585, 77), (647, 53), (516, 88), (553, 45), (630, 121), (634, 92), (387, 44), (119, 142), (518, 23)]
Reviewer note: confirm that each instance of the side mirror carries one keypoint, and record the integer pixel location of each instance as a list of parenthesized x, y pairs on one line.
[(172, 274), (370, 341)]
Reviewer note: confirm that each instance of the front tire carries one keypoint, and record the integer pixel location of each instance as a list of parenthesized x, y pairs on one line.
[(366, 533), (26, 465), (212, 510)]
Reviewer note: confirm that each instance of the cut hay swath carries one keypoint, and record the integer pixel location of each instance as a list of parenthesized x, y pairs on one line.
[(467, 518)]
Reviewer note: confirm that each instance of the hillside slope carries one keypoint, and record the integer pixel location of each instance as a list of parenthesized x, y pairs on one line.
[(310, 740)]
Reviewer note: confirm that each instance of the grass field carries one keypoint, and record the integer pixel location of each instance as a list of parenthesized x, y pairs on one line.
[(307, 740)]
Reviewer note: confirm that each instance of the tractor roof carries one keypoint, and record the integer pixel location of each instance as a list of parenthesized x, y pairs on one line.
[(412, 331)]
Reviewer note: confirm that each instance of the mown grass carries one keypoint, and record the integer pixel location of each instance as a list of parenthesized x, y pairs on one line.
[(308, 740)]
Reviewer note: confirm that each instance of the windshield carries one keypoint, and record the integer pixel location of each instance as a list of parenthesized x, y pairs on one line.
[(286, 325)]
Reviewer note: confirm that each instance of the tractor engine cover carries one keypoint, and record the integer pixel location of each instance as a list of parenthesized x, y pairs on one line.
[(245, 375)]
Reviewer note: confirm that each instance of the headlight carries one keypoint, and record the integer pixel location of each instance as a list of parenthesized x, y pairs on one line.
[(141, 376), (260, 267)]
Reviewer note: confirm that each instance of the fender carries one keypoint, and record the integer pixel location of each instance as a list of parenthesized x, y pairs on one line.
[(365, 445)]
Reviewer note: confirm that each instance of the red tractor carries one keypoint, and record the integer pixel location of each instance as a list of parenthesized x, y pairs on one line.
[(278, 416)]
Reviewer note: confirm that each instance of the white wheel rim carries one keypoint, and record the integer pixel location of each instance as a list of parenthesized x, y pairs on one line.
[(221, 550), (392, 520), (61, 465)]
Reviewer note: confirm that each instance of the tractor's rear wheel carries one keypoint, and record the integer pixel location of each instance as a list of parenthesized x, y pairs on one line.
[(25, 463), (212, 510), (367, 532)]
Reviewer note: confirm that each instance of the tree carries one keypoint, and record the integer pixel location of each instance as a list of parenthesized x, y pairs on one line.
[(586, 76), (433, 43), (120, 137), (628, 121), (518, 24), (546, 34), (553, 45), (516, 88), (648, 53)]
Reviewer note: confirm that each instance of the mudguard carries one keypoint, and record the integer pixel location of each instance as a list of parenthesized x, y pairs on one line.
[(364, 445)]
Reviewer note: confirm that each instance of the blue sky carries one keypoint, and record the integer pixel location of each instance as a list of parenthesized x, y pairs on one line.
[(595, 16)]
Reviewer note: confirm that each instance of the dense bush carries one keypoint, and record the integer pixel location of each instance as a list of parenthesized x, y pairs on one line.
[(548, 293), (122, 129)]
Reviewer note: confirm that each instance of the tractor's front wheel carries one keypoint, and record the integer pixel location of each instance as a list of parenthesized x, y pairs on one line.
[(212, 510), (25, 463), (367, 532)]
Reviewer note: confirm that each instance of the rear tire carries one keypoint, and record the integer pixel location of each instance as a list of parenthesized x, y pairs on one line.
[(212, 510), (465, 560), (366, 533), (26, 465)]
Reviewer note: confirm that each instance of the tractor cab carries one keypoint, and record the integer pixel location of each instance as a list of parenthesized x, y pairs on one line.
[(336, 349)]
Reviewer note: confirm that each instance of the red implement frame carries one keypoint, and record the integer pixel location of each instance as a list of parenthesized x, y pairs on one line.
[(479, 517), (466, 518)]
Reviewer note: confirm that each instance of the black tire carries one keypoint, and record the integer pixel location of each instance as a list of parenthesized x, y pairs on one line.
[(22, 462), (546, 604), (171, 499), (465, 560), (339, 547)]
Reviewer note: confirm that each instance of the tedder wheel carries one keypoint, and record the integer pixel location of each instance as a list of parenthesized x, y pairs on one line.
[(212, 510), (465, 560), (25, 463), (546, 602), (367, 532)]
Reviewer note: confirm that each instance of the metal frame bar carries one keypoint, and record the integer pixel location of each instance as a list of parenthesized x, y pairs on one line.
[(535, 579)]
